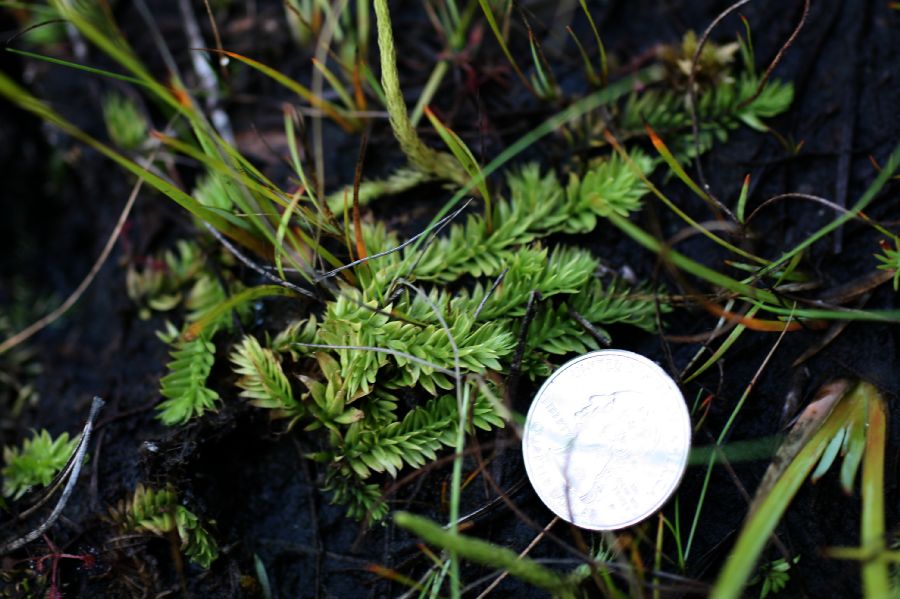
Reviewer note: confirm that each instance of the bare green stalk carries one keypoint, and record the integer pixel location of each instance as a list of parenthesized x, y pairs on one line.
[(488, 554), (427, 160)]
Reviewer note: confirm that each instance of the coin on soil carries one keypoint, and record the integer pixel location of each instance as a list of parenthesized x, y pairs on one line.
[(606, 439)]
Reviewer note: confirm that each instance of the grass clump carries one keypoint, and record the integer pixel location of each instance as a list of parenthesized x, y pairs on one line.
[(184, 388)]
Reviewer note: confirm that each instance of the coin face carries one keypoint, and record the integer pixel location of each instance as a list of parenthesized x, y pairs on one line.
[(606, 439)]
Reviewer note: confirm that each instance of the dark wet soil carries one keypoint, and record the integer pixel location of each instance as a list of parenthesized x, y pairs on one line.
[(60, 201)]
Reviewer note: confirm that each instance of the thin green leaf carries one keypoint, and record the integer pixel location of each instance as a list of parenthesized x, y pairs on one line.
[(487, 554), (875, 575), (466, 159)]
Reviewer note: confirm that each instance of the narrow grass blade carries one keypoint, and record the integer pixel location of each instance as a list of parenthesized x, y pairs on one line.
[(676, 167), (604, 68), (875, 575), (831, 453), (790, 468), (466, 159), (487, 554), (688, 265), (871, 192), (347, 123), (28, 102), (589, 71), (742, 199), (611, 139), (492, 22), (247, 295), (543, 76), (80, 67), (336, 84), (855, 444), (729, 341)]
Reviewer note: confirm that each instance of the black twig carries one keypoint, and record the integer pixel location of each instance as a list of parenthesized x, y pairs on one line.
[(778, 56), (515, 371), (489, 293), (435, 227), (600, 335), (256, 267)]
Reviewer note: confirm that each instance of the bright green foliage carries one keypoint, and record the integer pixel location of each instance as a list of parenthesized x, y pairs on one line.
[(185, 385), (262, 379), (207, 292), (160, 284), (539, 205), (182, 277), (215, 191), (157, 511), (774, 576), (890, 260), (723, 95), (775, 98), (555, 330), (719, 111), (125, 123), (363, 500), (36, 462), (566, 271), (330, 399), (413, 441), (299, 331), (388, 339), (611, 186)]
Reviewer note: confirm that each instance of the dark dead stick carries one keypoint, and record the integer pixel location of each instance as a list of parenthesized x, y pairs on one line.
[(692, 97), (256, 267), (516, 368), (778, 56), (601, 336), (490, 292), (74, 470), (436, 228), (848, 127)]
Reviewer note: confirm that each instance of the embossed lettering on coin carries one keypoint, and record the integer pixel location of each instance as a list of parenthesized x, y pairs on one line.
[(606, 439)]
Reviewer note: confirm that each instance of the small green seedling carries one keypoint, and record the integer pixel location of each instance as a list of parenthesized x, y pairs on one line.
[(36, 462), (125, 124), (890, 260), (774, 576)]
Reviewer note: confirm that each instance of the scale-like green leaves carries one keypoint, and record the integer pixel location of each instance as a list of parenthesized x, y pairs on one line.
[(36, 462), (185, 385), (157, 512), (610, 187), (720, 109), (262, 379), (125, 124), (538, 206)]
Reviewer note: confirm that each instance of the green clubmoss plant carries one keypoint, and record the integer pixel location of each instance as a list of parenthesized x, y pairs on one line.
[(35, 463), (157, 512)]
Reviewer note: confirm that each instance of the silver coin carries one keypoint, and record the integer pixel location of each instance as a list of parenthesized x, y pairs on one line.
[(606, 440)]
